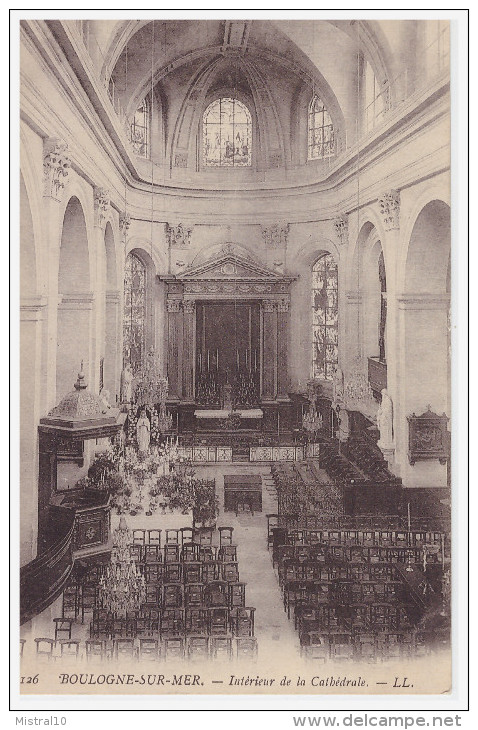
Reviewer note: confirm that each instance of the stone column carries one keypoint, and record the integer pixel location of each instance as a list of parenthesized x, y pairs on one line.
[(175, 348), (112, 365), (101, 199), (283, 320), (189, 348), (32, 310), (56, 168), (269, 350), (74, 328)]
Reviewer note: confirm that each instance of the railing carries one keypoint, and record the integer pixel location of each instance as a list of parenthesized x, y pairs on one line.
[(43, 579)]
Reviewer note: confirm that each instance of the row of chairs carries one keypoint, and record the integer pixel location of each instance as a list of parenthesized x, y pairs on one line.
[(290, 569), (186, 573), (185, 553), (362, 646), (328, 554), (368, 538), (147, 649), (171, 622), (363, 616), (199, 535)]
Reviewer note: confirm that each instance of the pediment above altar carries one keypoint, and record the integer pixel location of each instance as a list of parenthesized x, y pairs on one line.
[(231, 266)]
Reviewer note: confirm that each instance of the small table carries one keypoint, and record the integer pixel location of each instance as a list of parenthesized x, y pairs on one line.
[(246, 488)]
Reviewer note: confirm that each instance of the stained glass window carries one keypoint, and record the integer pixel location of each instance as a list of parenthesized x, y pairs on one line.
[(227, 134), (321, 138), (134, 316), (325, 317), (140, 130)]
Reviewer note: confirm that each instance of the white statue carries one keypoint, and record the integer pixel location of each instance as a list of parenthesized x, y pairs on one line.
[(344, 425), (385, 421), (127, 384), (143, 429), (105, 400), (338, 393)]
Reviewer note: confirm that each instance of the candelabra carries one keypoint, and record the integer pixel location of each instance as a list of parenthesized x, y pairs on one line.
[(122, 588)]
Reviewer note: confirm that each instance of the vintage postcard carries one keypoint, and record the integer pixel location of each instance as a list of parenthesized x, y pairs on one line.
[(236, 347)]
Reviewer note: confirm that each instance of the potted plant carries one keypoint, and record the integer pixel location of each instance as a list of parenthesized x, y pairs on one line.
[(206, 503)]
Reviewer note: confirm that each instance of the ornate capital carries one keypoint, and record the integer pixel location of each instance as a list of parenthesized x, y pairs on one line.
[(275, 236), (179, 236), (124, 222), (189, 306), (269, 305), (101, 204), (341, 226), (389, 203), (56, 167), (283, 305), (173, 305)]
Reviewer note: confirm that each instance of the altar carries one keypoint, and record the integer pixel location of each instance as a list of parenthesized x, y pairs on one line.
[(245, 413)]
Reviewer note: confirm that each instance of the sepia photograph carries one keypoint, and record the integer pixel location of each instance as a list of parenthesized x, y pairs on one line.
[(236, 325)]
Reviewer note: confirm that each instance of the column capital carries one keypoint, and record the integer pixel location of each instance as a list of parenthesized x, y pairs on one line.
[(124, 222), (101, 197), (423, 301), (275, 235), (341, 225), (75, 301), (269, 305), (173, 305), (56, 167), (113, 296), (189, 306), (283, 305), (179, 235), (31, 308), (389, 203)]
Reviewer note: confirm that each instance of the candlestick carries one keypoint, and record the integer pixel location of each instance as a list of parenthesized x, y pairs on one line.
[(408, 510), (217, 359), (442, 540), (208, 360)]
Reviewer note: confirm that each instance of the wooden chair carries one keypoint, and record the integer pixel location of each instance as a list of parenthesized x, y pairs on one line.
[(225, 535), (123, 649), (190, 553), (196, 621), (154, 537), (236, 595), (70, 605), (216, 594), (171, 552), (218, 621), (95, 650), (172, 537), (192, 572), (227, 554), (220, 647), (197, 648), (173, 573), (173, 648), (139, 537), (210, 572), (230, 572), (70, 650), (148, 649), (88, 599), (242, 621), (44, 648), (203, 535), (246, 648), (136, 552), (207, 553), (152, 553), (187, 535), (171, 622), (315, 646), (172, 595), (193, 595), (62, 628)]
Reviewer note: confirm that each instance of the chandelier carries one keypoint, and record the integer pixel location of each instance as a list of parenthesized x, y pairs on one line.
[(312, 421), (122, 588), (357, 389)]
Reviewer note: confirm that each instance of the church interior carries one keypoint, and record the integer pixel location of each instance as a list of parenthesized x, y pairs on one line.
[(235, 340)]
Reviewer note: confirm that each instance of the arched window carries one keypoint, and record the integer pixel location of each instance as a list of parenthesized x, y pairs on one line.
[(139, 130), (321, 137), (227, 134), (134, 316), (325, 317), (377, 98)]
